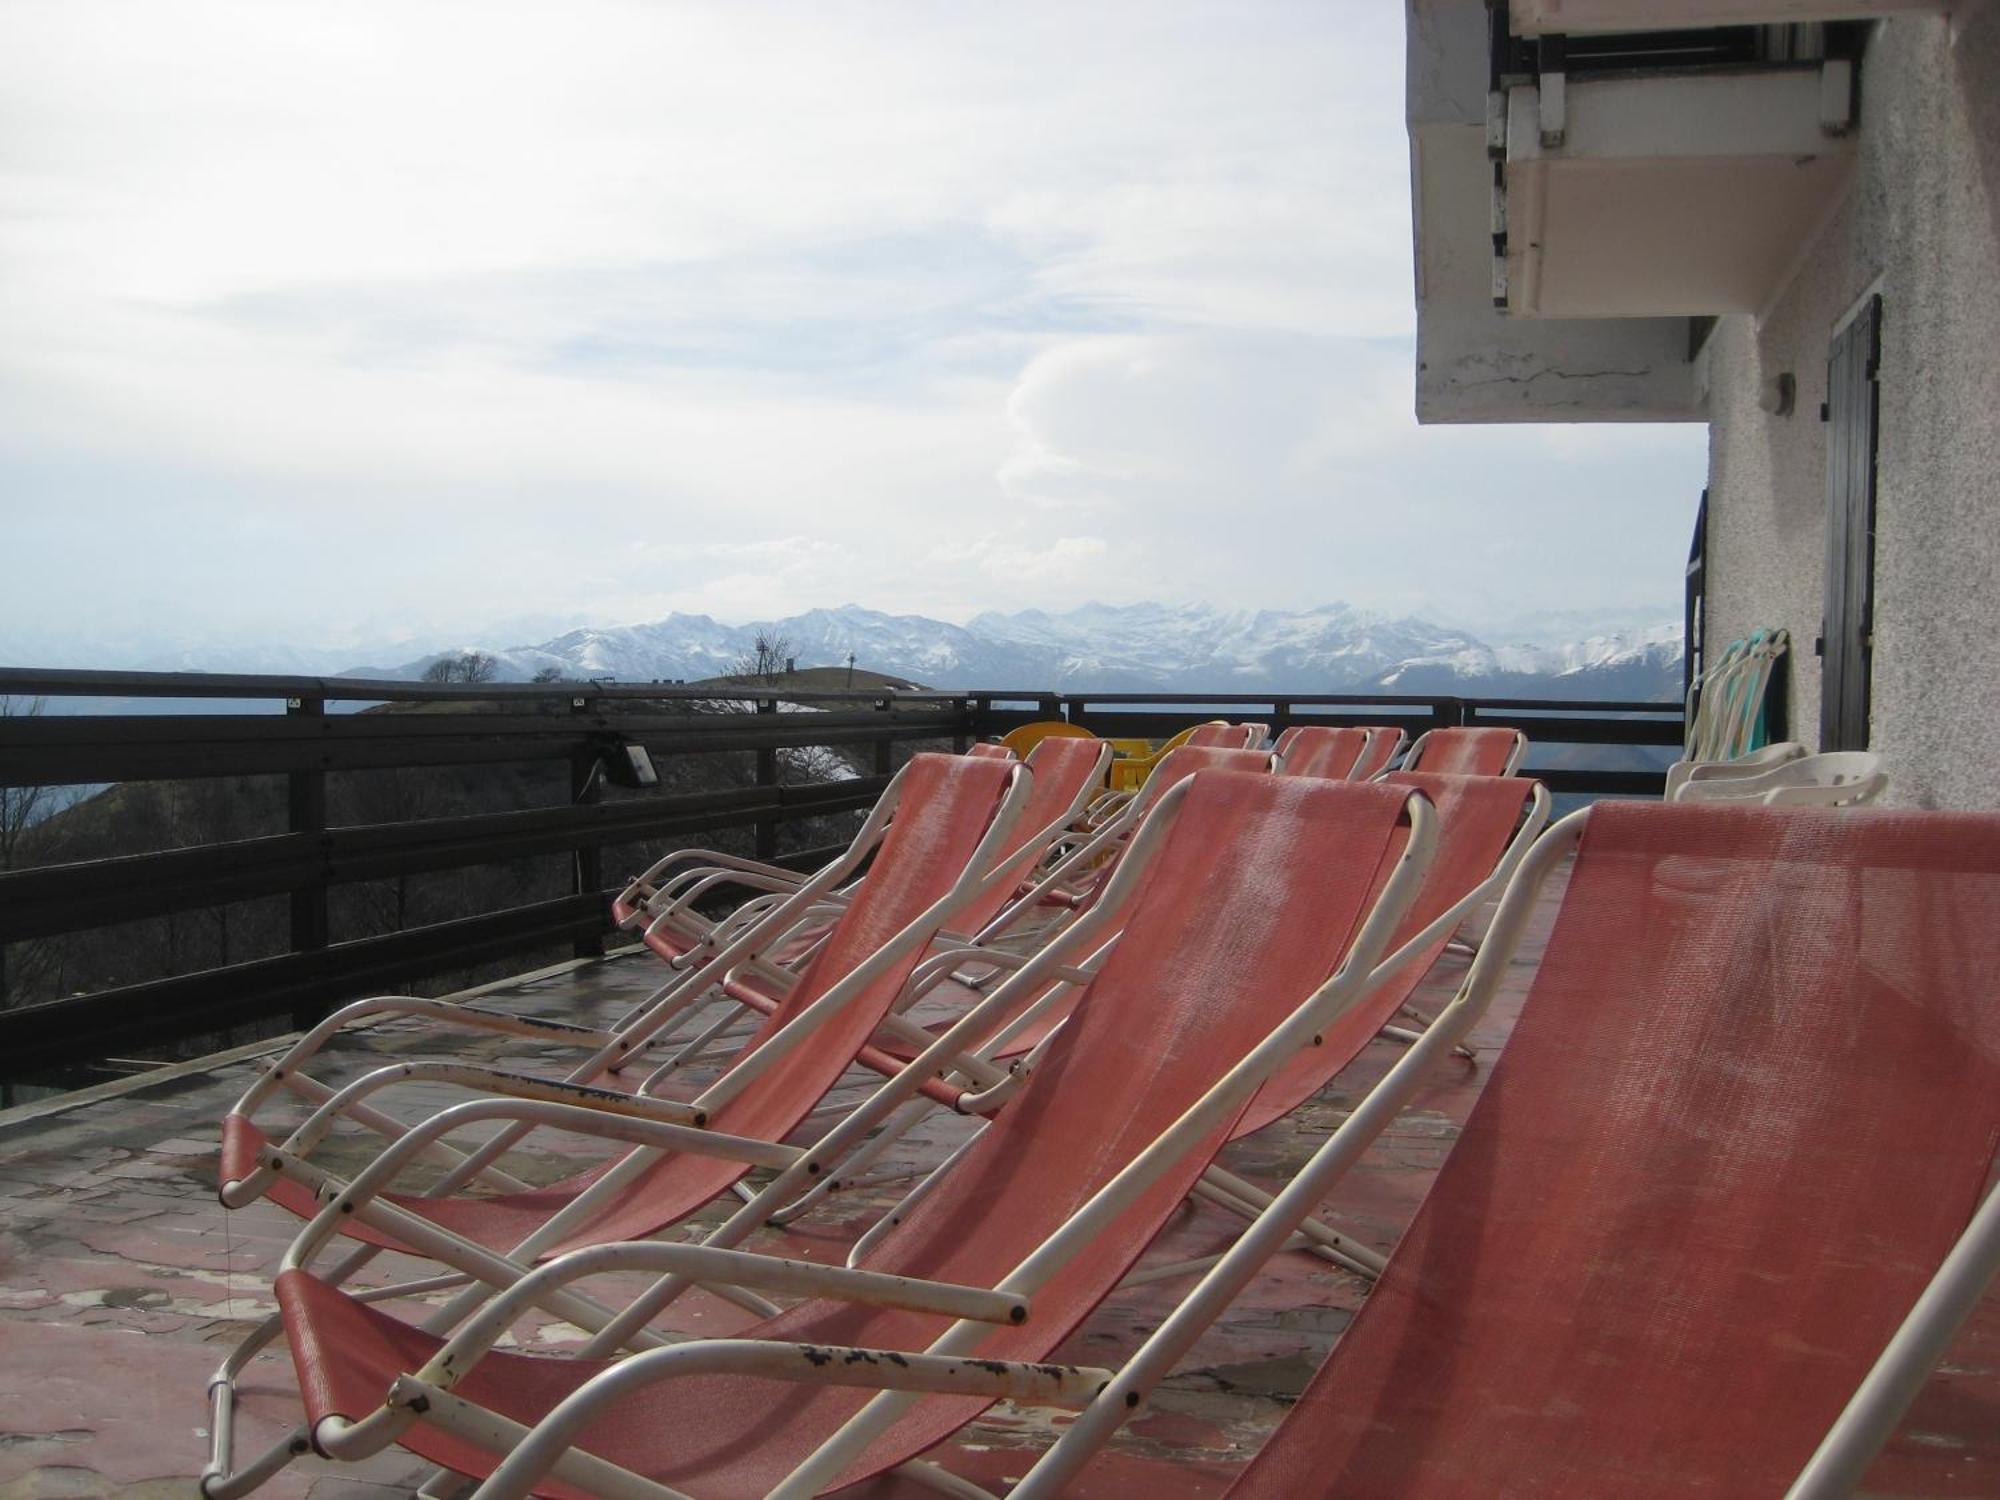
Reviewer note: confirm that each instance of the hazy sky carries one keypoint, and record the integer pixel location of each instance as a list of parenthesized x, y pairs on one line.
[(347, 323)]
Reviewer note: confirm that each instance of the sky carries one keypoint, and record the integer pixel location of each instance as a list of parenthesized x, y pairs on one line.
[(336, 325)]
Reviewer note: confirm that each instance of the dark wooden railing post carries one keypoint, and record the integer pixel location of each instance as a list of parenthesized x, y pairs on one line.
[(305, 803), (962, 741), (884, 745), (586, 788), (1281, 716), (767, 776)]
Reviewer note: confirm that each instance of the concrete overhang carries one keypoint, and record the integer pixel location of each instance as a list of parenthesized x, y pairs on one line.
[(1664, 195), (1584, 17), (1474, 362)]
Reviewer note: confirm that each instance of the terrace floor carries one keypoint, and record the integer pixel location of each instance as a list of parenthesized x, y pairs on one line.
[(123, 1283)]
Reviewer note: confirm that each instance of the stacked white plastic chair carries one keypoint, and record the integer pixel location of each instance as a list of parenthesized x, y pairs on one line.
[(1725, 711)]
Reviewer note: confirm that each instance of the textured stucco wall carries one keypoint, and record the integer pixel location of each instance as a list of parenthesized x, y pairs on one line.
[(1923, 215)]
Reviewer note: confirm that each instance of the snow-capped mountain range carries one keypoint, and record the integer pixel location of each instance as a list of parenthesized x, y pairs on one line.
[(1119, 648)]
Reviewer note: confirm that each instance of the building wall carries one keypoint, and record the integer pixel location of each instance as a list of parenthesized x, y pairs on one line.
[(1922, 217)]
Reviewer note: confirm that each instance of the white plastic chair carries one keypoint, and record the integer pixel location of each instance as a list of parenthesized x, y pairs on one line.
[(1777, 753), (1837, 778)]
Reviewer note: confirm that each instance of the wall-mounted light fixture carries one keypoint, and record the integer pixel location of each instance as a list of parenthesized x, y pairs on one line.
[(1779, 394)]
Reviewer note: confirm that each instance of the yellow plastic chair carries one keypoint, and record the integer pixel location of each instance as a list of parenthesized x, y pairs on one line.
[(1130, 773)]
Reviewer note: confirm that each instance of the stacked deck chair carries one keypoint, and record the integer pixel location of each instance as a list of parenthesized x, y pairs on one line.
[(1320, 750), (1076, 883), (775, 943), (993, 748), (1733, 1143), (1080, 863), (1079, 883), (1240, 914), (955, 813), (1066, 774), (665, 904), (1468, 751)]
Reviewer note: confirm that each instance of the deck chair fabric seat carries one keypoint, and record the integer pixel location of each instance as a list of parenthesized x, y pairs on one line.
[(1732, 1136), (1064, 771), (1467, 750), (1175, 766), (1174, 769), (1239, 917), (948, 804), (1131, 773), (1321, 750), (1477, 820), (1385, 743)]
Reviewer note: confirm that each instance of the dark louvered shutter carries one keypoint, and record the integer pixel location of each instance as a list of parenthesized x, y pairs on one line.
[(1848, 641)]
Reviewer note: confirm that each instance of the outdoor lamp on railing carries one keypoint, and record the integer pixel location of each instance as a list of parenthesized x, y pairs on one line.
[(621, 762)]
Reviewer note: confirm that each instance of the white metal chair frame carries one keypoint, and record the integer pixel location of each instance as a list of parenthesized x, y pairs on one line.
[(773, 975), (651, 1125), (950, 1364), (672, 902), (729, 949)]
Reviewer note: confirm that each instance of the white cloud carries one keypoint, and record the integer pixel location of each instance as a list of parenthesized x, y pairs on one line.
[(358, 320)]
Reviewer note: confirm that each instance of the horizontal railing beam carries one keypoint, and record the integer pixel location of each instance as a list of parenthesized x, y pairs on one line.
[(68, 750), (59, 682), (52, 899), (85, 1027)]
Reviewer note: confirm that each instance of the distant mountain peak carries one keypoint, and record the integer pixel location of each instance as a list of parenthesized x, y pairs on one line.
[(1097, 647)]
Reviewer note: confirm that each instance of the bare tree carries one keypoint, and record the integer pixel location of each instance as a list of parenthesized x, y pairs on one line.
[(472, 666), (21, 809), (766, 658), (549, 674)]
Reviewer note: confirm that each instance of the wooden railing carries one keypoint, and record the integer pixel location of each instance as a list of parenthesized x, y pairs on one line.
[(291, 727)]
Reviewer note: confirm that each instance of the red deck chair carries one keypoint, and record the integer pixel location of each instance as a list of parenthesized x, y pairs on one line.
[(1050, 1205), (953, 808), (1468, 751), (1074, 885), (1228, 736), (1067, 773), (638, 905), (1485, 824), (1084, 863), (1321, 750), (1748, 1108), (1385, 743)]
